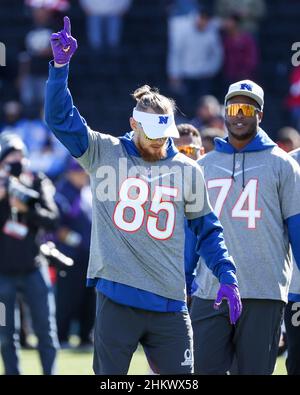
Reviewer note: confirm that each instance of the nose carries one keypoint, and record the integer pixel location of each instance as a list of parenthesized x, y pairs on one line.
[(240, 114)]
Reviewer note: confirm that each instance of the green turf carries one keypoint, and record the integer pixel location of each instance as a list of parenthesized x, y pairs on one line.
[(78, 363), (280, 366)]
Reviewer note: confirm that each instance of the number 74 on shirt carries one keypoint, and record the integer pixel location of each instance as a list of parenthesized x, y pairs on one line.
[(245, 206)]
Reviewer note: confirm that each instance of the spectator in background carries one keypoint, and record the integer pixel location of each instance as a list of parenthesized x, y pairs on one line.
[(27, 210), (45, 153), (54, 5), (179, 8), (104, 22), (208, 113), (194, 58), (250, 11), (189, 142), (288, 139), (208, 136), (12, 111), (34, 60), (74, 301), (293, 99), (177, 11), (240, 51)]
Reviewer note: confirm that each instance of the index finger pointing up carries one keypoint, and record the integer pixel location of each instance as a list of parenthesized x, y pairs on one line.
[(67, 25)]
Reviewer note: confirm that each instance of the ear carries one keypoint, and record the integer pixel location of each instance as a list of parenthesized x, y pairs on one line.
[(202, 151), (133, 123), (260, 116)]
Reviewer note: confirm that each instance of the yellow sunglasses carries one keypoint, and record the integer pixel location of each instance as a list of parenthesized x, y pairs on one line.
[(189, 150), (248, 110), (159, 139)]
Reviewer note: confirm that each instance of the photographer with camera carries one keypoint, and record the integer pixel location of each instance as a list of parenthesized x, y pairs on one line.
[(27, 210)]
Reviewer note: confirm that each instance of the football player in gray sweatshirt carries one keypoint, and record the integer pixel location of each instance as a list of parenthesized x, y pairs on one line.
[(143, 188), (254, 188)]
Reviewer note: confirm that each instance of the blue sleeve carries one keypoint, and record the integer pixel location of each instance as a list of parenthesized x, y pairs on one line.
[(293, 224), (61, 115), (208, 242), (190, 257)]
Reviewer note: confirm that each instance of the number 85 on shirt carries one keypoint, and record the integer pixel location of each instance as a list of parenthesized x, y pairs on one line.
[(134, 194)]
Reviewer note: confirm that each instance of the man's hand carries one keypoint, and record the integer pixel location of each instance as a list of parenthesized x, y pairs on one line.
[(231, 293), (63, 44)]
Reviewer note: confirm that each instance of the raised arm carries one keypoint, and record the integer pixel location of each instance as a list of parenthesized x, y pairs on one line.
[(61, 115)]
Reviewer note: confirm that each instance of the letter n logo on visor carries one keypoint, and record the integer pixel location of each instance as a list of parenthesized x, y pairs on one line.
[(163, 120), (246, 86)]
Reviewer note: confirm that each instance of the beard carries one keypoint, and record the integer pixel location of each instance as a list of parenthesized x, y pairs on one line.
[(246, 135), (243, 137), (150, 154)]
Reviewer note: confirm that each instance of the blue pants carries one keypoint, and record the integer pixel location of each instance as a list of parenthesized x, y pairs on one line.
[(293, 338), (36, 290), (248, 348), (165, 337)]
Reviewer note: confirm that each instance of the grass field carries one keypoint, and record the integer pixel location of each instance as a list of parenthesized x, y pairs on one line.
[(78, 363)]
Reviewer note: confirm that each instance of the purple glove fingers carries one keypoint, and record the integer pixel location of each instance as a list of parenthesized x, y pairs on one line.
[(231, 294), (65, 39), (236, 309), (233, 314), (63, 44), (55, 36), (67, 25)]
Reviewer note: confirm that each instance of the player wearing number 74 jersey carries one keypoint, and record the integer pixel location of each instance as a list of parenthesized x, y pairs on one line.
[(142, 189), (254, 187)]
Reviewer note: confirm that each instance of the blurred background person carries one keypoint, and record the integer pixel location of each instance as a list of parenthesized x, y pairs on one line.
[(12, 111), (189, 142), (208, 113), (27, 210), (45, 153), (178, 11), (251, 12), (240, 51), (34, 59), (194, 58), (53, 5), (288, 139), (104, 22), (73, 299), (293, 99), (208, 136)]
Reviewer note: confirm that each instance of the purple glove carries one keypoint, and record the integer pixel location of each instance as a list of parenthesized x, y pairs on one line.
[(63, 44), (231, 293)]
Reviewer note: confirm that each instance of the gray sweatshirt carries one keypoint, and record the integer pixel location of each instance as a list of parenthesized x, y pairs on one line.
[(253, 192)]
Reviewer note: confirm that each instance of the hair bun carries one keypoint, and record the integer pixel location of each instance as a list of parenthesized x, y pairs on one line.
[(150, 98), (142, 91)]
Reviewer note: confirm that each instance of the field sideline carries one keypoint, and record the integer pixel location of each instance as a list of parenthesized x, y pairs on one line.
[(79, 363)]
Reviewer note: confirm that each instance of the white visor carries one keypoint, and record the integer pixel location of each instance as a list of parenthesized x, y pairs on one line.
[(156, 126)]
